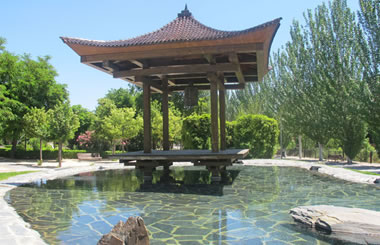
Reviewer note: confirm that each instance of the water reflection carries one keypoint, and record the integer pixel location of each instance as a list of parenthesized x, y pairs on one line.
[(250, 206)]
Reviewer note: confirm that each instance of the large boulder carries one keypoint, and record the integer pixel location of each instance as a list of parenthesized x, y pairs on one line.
[(132, 232), (354, 225)]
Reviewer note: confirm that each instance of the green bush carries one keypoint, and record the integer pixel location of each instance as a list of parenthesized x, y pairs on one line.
[(106, 154), (258, 133), (196, 131), (46, 154), (363, 155), (230, 134)]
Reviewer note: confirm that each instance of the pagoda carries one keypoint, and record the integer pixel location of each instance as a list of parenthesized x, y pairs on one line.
[(184, 55)]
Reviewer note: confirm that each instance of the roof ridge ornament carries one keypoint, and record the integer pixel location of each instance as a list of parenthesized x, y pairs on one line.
[(184, 13)]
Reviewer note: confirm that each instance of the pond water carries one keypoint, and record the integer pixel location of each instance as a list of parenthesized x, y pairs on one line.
[(250, 206)]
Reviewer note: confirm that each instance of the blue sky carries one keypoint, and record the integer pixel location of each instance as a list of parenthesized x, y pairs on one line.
[(34, 27)]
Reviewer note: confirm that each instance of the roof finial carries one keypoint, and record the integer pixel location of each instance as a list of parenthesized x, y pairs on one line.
[(184, 13)]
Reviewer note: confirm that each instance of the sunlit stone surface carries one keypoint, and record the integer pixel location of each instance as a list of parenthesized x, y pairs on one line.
[(250, 206)]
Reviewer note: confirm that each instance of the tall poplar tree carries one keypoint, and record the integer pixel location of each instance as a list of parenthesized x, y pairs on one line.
[(369, 19)]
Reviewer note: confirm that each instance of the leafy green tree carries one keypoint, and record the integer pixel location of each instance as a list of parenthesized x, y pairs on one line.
[(26, 83), (124, 97), (36, 123), (369, 19), (121, 125), (156, 121), (63, 124), (175, 124), (86, 122), (335, 48)]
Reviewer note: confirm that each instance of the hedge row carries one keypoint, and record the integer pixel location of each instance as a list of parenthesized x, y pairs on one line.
[(46, 154), (258, 133), (49, 154)]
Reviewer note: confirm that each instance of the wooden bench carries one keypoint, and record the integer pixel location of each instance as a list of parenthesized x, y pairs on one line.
[(89, 156), (335, 158)]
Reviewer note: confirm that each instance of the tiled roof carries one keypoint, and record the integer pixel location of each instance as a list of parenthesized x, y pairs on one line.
[(183, 28)]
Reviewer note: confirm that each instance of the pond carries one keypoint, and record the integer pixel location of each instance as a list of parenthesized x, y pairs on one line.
[(250, 206)]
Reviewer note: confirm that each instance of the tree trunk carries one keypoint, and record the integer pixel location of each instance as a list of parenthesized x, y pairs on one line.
[(300, 146), (113, 149), (13, 150), (60, 154), (40, 151), (282, 147), (349, 161), (320, 151)]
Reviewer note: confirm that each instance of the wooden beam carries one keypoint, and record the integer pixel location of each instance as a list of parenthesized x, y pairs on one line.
[(222, 115), (235, 60), (206, 87), (165, 70), (246, 78), (260, 65), (214, 112), (173, 52), (109, 65), (138, 63), (147, 116), (165, 114)]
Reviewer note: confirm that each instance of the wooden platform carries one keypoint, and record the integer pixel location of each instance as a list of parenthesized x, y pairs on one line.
[(215, 162), (183, 155)]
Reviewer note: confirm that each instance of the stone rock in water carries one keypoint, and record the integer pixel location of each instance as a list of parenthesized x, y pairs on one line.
[(132, 232), (353, 225)]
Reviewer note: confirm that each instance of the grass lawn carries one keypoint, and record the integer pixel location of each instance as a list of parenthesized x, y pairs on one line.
[(363, 172), (4, 176)]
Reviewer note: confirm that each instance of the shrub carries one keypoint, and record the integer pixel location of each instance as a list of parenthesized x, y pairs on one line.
[(230, 134), (364, 153), (48, 154), (353, 140), (196, 131), (258, 133)]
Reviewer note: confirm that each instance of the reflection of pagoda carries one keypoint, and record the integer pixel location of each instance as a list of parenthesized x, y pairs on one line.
[(188, 56)]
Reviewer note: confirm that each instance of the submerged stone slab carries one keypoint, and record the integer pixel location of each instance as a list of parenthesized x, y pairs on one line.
[(132, 232), (354, 225)]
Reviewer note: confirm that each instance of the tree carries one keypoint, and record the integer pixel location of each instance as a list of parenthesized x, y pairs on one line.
[(321, 77), (339, 72), (124, 97), (36, 123), (369, 19), (121, 125), (175, 124), (86, 122), (63, 124), (156, 116), (26, 83)]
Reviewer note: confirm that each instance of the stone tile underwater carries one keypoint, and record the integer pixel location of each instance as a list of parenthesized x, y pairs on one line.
[(250, 205)]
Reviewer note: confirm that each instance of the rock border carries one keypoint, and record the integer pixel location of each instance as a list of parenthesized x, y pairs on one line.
[(337, 172), (13, 229), (348, 225)]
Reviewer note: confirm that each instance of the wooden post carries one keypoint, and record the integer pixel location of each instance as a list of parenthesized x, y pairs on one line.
[(147, 116), (165, 114), (214, 112), (222, 115)]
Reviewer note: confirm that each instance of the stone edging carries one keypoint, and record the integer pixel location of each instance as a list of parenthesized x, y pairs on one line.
[(13, 229), (336, 172)]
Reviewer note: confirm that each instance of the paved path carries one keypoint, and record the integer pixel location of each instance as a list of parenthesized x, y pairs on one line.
[(14, 230)]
